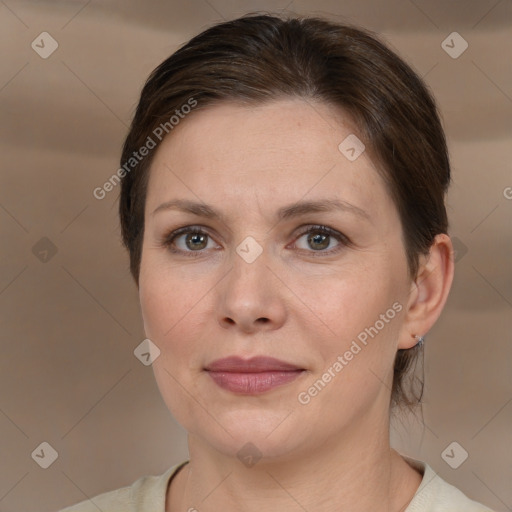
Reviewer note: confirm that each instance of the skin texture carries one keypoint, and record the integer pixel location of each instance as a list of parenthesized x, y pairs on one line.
[(295, 302)]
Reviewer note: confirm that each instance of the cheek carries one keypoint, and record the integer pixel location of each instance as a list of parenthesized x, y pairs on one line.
[(166, 299), (355, 354), (170, 310), (357, 304), (171, 291), (153, 296)]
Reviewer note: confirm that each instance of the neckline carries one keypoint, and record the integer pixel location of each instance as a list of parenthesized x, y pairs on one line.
[(416, 464), (173, 471)]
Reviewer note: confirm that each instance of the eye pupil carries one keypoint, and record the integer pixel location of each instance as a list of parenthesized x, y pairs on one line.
[(323, 240), (198, 241)]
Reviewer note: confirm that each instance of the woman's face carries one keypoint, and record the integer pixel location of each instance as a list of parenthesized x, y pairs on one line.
[(255, 283)]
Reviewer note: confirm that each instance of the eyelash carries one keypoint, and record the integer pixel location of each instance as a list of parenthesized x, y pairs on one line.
[(168, 239)]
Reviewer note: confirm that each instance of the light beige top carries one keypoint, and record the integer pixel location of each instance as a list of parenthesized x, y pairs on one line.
[(148, 494)]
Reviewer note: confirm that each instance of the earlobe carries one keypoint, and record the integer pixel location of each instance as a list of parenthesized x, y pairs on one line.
[(429, 292), (419, 339)]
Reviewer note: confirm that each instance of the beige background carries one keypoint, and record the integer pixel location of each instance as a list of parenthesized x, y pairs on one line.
[(68, 375)]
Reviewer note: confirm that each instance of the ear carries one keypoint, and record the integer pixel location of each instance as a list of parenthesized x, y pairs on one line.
[(429, 291)]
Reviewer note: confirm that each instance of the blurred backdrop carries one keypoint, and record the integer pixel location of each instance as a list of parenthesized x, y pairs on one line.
[(70, 384)]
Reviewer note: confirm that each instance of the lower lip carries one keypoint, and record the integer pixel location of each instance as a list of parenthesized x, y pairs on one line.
[(253, 383)]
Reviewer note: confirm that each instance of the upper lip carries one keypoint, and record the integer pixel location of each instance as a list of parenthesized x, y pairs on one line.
[(252, 365)]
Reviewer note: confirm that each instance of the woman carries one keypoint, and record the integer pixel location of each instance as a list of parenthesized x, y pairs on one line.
[(282, 201)]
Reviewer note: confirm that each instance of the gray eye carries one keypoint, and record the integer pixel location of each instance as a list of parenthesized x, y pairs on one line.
[(196, 241), (316, 241)]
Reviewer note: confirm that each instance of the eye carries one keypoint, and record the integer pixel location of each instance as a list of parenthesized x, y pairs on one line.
[(190, 240), (319, 238)]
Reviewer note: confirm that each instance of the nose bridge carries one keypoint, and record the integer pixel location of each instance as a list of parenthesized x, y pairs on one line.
[(250, 269), (249, 296)]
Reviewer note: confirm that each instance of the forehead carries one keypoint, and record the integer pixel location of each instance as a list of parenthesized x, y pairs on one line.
[(277, 152), (290, 125)]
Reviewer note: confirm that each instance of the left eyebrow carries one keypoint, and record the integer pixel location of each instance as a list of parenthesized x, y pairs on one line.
[(286, 212), (325, 205)]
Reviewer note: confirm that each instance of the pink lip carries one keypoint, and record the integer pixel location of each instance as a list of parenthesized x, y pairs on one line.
[(251, 376)]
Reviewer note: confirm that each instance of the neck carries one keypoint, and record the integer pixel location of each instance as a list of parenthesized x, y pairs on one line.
[(354, 470)]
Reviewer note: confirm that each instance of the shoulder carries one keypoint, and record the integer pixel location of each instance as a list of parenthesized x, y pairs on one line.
[(145, 494), (436, 495)]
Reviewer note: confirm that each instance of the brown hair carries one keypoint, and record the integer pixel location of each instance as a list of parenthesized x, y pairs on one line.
[(258, 58)]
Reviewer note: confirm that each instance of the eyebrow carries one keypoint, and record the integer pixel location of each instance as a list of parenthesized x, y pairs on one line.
[(286, 212)]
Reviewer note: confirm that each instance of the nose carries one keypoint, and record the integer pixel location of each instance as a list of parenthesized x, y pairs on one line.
[(250, 298)]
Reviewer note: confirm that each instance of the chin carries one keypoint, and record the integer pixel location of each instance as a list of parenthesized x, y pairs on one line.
[(251, 434), (251, 446)]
